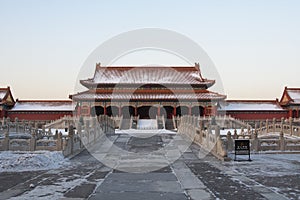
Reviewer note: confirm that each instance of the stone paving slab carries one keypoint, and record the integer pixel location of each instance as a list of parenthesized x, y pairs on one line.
[(81, 191), (197, 194), (143, 176), (195, 175), (139, 186), (138, 196)]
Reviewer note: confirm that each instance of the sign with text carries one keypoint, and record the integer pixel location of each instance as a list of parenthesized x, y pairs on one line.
[(242, 147)]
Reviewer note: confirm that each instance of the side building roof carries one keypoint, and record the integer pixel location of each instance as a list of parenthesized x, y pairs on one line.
[(6, 97), (251, 105), (290, 96), (43, 105)]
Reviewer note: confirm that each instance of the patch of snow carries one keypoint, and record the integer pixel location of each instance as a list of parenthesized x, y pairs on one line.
[(43, 106), (295, 95), (251, 106), (147, 124), (53, 192), (225, 131), (272, 165), (144, 133), (142, 75), (63, 131), (16, 161), (2, 94)]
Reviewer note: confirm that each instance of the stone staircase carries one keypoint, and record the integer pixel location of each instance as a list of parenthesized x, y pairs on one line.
[(147, 124)]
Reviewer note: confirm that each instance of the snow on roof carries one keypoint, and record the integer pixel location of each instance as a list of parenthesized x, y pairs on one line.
[(294, 94), (43, 106), (150, 96), (2, 94), (147, 75), (251, 106)]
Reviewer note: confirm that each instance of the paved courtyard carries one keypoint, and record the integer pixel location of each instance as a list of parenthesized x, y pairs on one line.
[(131, 175)]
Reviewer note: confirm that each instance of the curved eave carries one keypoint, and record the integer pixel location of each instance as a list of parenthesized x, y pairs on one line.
[(88, 96), (90, 84)]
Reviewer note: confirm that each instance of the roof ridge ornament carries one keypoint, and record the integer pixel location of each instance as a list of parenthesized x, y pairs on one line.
[(98, 65), (197, 66)]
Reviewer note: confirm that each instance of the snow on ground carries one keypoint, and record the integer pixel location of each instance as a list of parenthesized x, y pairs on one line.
[(53, 131), (31, 161), (141, 131), (144, 133), (54, 191), (147, 124), (270, 165)]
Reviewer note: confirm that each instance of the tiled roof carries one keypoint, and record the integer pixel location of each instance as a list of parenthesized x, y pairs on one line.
[(3, 92), (2, 95), (154, 95), (147, 75), (43, 105), (294, 93), (251, 105)]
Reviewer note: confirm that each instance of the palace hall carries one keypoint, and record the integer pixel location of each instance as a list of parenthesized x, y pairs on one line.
[(147, 92)]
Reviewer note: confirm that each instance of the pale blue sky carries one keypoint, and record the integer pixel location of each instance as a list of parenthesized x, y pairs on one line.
[(255, 44)]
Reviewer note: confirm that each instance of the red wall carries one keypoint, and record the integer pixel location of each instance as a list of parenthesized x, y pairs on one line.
[(38, 116), (260, 115)]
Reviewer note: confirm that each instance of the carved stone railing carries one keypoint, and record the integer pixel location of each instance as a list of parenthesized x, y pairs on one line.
[(283, 136), (63, 122), (86, 132), (223, 121), (206, 136)]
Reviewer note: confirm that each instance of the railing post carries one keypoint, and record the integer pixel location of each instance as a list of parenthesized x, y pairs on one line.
[(274, 125), (267, 126), (6, 140), (71, 138), (260, 125), (17, 124), (242, 132), (217, 131), (43, 130), (291, 125), (248, 129), (281, 124), (229, 141), (59, 142), (281, 141), (255, 142), (235, 134), (32, 140)]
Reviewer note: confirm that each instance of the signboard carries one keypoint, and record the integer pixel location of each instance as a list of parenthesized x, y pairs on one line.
[(242, 147)]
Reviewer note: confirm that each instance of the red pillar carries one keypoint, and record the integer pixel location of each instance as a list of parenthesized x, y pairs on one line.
[(174, 111), (135, 111), (213, 110), (105, 110), (190, 110)]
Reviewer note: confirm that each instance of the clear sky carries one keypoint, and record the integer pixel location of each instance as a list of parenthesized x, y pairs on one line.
[(255, 44)]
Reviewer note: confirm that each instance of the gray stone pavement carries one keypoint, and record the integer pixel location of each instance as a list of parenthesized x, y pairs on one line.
[(195, 175)]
